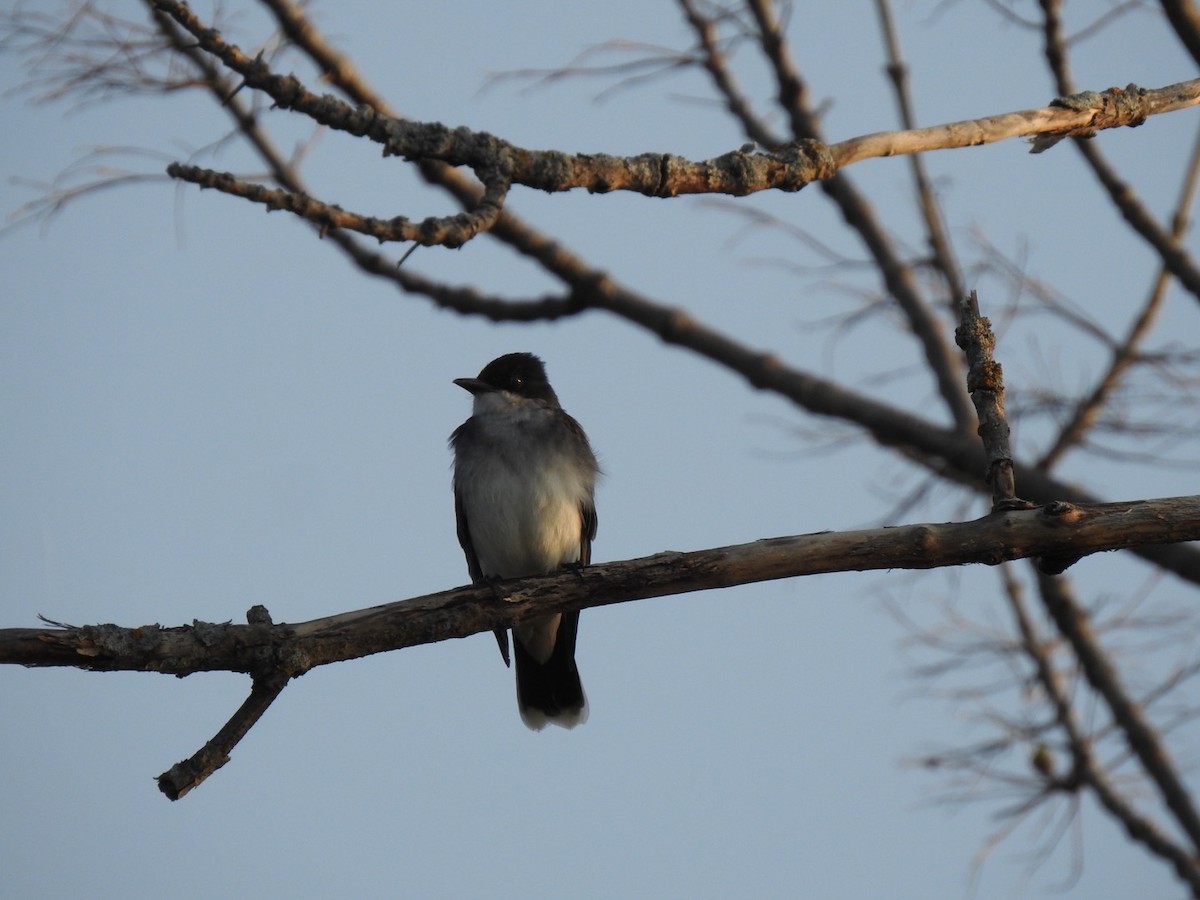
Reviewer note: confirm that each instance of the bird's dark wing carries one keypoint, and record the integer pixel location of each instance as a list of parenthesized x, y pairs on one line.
[(587, 534), (473, 567), (464, 538), (587, 509), (477, 576)]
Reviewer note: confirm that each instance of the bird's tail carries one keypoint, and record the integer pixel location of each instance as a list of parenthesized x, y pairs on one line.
[(548, 685)]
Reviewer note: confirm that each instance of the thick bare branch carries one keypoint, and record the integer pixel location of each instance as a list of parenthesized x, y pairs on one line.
[(274, 654), (498, 162), (262, 649)]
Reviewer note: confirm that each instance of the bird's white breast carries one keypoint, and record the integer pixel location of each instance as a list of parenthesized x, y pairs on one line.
[(521, 491)]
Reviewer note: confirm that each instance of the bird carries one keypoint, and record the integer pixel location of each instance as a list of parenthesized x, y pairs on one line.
[(524, 499)]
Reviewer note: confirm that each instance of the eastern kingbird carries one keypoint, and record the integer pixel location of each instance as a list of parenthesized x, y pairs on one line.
[(524, 481)]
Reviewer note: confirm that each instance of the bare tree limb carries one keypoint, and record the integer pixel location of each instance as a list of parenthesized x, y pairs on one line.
[(789, 168), (1079, 115), (261, 649), (275, 654)]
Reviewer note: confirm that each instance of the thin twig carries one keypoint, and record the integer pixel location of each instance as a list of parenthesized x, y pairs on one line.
[(1175, 259), (1086, 411), (897, 275), (931, 211), (1072, 623), (1085, 768), (1184, 17)]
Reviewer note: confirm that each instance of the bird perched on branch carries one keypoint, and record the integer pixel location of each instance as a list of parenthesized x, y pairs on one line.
[(524, 482)]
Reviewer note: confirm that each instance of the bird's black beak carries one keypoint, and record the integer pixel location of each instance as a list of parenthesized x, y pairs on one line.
[(474, 385)]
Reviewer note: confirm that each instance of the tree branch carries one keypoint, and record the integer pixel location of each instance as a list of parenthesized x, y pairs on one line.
[(262, 649), (789, 168), (1079, 115), (275, 654)]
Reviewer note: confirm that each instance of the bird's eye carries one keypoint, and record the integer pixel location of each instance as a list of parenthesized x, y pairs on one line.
[(517, 381)]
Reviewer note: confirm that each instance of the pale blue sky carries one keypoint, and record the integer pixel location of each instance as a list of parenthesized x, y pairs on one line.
[(204, 408)]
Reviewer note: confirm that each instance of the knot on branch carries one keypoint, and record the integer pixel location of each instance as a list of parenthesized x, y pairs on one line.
[(1111, 108), (786, 168), (813, 157)]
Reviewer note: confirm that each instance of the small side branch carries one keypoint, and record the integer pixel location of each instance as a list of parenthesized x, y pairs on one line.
[(445, 231), (183, 776), (985, 383)]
